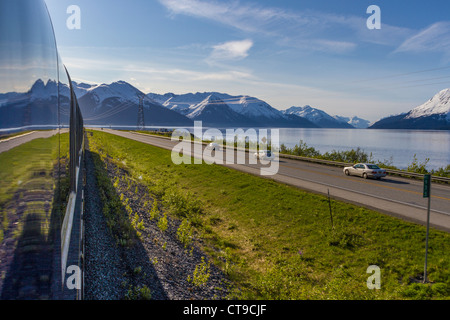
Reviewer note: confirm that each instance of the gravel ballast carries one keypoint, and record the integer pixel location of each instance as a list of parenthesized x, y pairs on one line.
[(158, 261)]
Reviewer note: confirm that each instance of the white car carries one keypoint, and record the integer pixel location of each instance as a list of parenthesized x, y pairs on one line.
[(214, 146), (264, 154), (365, 170)]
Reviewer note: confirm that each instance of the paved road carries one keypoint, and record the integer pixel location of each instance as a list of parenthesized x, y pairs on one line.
[(13, 142), (396, 196)]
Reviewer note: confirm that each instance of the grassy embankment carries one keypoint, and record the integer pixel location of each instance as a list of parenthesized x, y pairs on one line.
[(275, 241), (27, 177)]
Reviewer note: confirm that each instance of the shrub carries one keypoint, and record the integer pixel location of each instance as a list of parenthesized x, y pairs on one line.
[(185, 232), (301, 150), (417, 291), (159, 188), (154, 213), (417, 167), (136, 293), (163, 223), (350, 156), (181, 205), (442, 172), (201, 274)]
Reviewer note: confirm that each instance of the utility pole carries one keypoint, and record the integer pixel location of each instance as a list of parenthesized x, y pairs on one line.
[(140, 120)]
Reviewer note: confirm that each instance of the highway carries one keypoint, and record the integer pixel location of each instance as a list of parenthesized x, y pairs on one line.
[(396, 196), (7, 144)]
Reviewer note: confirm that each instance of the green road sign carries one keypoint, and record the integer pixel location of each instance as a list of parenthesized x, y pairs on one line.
[(426, 185)]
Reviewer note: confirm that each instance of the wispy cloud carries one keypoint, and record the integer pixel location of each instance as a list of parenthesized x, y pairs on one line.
[(231, 50), (434, 38), (247, 17), (293, 29), (141, 69), (308, 29)]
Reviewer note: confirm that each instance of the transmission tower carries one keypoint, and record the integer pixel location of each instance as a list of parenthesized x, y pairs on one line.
[(140, 120)]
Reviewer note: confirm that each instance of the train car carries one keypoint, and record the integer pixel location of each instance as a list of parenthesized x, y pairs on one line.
[(41, 161)]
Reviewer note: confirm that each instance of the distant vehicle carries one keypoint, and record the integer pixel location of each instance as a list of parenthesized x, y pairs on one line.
[(365, 170), (264, 154), (214, 146)]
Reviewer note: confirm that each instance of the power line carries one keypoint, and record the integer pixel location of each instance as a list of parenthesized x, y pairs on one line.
[(119, 108), (401, 74), (421, 85)]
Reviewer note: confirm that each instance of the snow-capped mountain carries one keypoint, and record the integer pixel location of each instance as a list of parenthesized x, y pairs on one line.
[(213, 111), (34, 107), (81, 89), (354, 121), (439, 104), (41, 90), (317, 116), (120, 90), (433, 114), (117, 104), (251, 111)]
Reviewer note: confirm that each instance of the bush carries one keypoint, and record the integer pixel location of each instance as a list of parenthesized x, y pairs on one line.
[(159, 188), (139, 293), (417, 291), (350, 156), (181, 205), (422, 291), (154, 213), (301, 150), (442, 172), (201, 274), (163, 223), (417, 167), (185, 232)]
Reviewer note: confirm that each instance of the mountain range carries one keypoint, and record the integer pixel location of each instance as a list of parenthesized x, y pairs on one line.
[(324, 120), (434, 114), (34, 107), (117, 104), (252, 111), (221, 109)]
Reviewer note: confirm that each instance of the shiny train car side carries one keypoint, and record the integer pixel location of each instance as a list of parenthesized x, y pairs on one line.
[(41, 161)]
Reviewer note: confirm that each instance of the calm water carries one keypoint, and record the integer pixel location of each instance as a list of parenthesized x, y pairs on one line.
[(396, 145)]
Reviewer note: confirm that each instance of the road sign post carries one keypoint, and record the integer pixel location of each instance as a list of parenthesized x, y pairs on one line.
[(427, 194)]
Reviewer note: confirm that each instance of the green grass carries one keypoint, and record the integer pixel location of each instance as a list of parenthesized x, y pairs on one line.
[(29, 170), (276, 242), (118, 214)]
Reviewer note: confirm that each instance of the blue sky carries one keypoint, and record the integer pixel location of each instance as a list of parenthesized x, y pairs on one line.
[(286, 53)]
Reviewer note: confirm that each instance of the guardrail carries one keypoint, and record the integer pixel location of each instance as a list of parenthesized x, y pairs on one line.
[(333, 163), (344, 164)]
